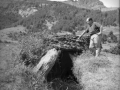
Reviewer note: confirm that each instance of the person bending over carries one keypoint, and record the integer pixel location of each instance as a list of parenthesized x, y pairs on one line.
[(95, 31)]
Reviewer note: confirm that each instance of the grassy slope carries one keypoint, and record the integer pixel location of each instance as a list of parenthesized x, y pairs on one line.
[(5, 33), (98, 73), (93, 73), (8, 57), (13, 74)]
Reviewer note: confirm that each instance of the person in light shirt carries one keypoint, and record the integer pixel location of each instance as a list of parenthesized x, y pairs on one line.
[(95, 31)]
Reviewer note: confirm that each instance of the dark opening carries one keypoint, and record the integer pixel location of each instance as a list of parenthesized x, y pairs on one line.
[(63, 66)]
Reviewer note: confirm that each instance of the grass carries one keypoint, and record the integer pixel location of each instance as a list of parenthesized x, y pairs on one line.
[(98, 73), (13, 74), (13, 34), (20, 78), (92, 73)]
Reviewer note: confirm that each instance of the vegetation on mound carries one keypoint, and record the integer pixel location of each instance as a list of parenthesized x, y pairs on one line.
[(35, 45)]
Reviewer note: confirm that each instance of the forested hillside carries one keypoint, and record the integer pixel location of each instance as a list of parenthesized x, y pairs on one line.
[(90, 4), (42, 13)]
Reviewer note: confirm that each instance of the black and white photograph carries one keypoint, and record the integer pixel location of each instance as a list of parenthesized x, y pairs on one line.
[(59, 45)]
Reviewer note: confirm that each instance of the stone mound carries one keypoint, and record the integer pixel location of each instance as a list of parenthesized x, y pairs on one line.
[(69, 42)]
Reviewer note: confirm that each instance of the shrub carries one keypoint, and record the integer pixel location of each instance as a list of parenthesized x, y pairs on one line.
[(104, 38), (114, 50), (16, 35), (34, 45), (112, 38)]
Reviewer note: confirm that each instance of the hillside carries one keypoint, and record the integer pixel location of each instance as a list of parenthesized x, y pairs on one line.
[(12, 11), (88, 4), (55, 16)]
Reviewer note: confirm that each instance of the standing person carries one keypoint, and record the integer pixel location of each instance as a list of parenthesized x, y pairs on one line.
[(95, 31)]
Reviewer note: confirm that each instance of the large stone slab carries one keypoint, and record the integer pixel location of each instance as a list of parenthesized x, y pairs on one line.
[(46, 62)]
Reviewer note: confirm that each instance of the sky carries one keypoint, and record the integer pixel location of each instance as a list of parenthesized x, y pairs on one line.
[(107, 3), (111, 3)]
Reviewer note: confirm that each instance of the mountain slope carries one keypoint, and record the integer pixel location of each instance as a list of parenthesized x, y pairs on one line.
[(89, 4), (55, 16)]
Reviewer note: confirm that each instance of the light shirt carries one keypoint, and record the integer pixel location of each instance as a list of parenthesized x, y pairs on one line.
[(94, 28)]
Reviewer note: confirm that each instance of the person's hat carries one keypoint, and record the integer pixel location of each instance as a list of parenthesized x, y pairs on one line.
[(89, 19)]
